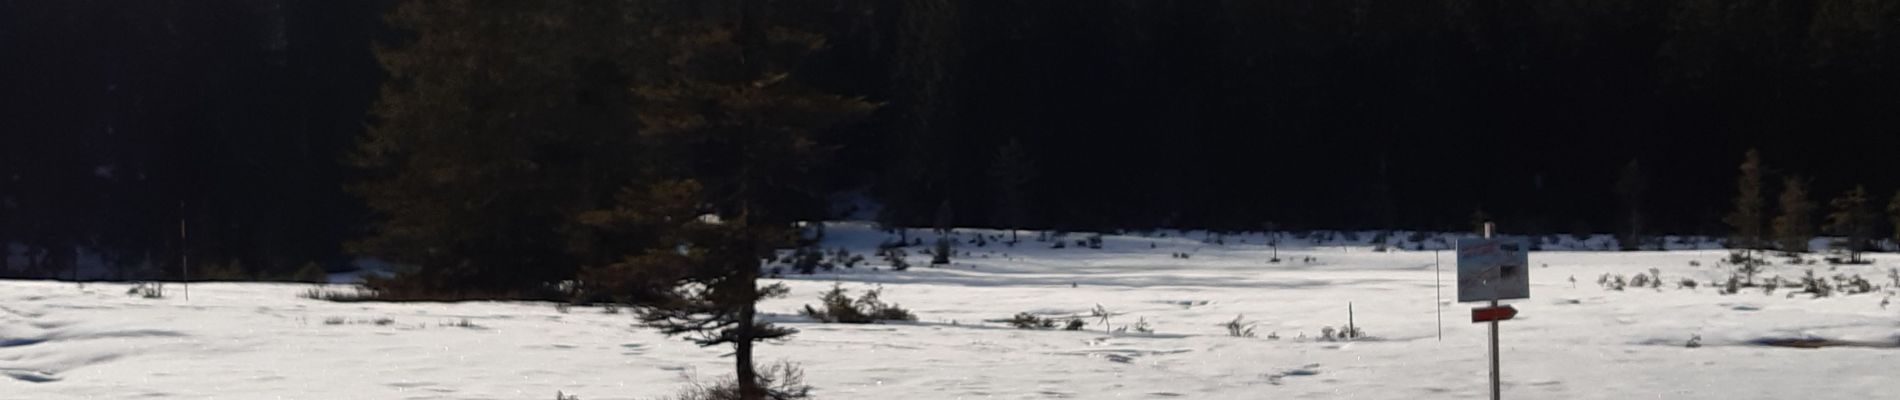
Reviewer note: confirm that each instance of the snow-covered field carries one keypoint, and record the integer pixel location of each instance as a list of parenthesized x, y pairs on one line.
[(263, 341)]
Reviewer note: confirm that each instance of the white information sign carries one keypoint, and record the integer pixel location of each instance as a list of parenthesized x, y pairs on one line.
[(1493, 269)]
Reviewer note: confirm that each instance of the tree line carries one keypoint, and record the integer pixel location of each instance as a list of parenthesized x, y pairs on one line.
[(129, 122), (242, 119), (1853, 218)]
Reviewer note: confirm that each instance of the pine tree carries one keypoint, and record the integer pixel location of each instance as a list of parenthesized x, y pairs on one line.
[(1795, 226), (1853, 219), (743, 135), (1745, 220), (1630, 185)]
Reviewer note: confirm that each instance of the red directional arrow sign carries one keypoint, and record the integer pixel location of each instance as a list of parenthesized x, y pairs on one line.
[(1488, 314)]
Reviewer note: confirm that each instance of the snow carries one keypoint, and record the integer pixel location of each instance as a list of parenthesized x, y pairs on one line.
[(253, 340)]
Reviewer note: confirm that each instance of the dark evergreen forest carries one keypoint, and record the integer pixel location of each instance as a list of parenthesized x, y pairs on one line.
[(253, 123)]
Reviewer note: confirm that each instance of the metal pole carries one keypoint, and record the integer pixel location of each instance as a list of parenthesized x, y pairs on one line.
[(1438, 294), (1495, 387)]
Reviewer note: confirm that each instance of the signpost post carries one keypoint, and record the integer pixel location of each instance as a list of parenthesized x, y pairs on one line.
[(1490, 270)]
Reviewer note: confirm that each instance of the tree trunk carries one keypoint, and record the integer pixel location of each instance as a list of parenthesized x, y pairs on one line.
[(748, 275), (742, 355), (751, 41)]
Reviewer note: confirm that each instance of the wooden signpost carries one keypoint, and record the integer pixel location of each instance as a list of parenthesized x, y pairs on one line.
[(1490, 270)]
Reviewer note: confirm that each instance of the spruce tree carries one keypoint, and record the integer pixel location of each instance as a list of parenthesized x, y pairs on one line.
[(1893, 215), (1630, 185), (946, 223), (1745, 220), (741, 134), (922, 164), (1795, 226), (1011, 172), (1853, 218)]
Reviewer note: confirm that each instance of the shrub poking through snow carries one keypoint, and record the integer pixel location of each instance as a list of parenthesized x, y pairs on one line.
[(1816, 286), (1351, 332), (895, 257), (1858, 285), (1074, 324), (352, 294), (839, 307), (882, 311), (1239, 327), (781, 381), (807, 260), (1639, 280), (327, 294), (149, 290), (1686, 283), (1733, 286), (1024, 320), (1694, 341), (845, 258)]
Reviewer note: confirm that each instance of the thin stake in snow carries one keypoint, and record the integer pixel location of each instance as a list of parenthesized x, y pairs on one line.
[(184, 257), (1351, 330)]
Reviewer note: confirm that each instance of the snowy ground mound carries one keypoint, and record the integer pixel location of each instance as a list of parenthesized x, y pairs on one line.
[(244, 341)]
